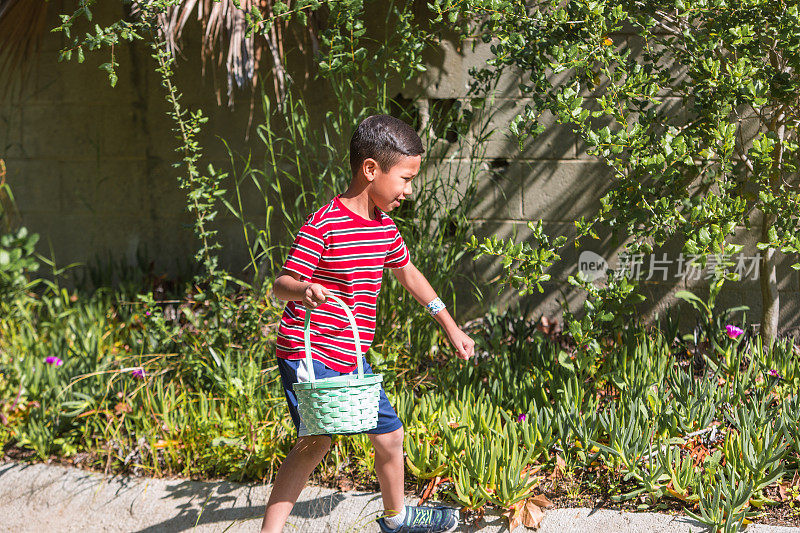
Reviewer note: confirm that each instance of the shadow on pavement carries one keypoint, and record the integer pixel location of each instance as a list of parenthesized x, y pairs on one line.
[(223, 503)]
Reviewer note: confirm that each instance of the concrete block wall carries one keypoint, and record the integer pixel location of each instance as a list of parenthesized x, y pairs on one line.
[(553, 179), (90, 166)]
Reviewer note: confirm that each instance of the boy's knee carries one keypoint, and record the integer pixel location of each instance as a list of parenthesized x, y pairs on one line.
[(397, 438), (389, 442), (314, 445)]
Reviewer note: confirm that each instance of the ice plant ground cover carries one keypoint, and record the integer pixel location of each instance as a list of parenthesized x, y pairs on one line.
[(657, 418)]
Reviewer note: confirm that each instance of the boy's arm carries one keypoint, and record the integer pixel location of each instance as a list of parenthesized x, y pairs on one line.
[(288, 287), (416, 284)]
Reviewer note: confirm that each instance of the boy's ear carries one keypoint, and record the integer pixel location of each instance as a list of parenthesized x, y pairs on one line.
[(369, 167)]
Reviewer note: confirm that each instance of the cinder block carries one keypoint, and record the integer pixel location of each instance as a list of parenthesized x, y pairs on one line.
[(162, 194), (69, 82), (70, 132), (104, 188), (442, 149), (556, 142), (789, 315), (10, 131), (661, 301), (78, 238), (223, 125), (787, 277), (496, 196), (234, 255), (254, 201), (230, 125), (162, 140), (124, 133), (448, 71), (563, 190), (36, 186)]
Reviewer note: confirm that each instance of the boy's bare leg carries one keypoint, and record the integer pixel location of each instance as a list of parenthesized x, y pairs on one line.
[(390, 469), (292, 477)]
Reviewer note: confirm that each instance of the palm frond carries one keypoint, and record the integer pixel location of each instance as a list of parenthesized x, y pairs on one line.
[(22, 23), (225, 39)]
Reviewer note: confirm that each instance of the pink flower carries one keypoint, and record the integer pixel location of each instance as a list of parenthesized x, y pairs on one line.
[(733, 331), (522, 417), (53, 360), (773, 373), (138, 373)]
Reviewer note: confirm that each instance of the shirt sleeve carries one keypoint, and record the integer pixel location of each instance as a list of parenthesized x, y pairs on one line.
[(397, 256), (305, 252)]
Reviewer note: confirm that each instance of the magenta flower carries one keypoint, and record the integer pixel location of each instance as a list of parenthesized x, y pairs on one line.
[(53, 360), (774, 373), (522, 417), (138, 373), (733, 331), (147, 313)]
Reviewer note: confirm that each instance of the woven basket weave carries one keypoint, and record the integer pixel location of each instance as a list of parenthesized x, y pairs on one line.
[(340, 404)]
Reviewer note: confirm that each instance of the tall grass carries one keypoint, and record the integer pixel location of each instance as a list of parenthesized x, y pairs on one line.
[(306, 163)]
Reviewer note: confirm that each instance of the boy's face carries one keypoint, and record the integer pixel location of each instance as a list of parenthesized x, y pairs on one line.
[(389, 188)]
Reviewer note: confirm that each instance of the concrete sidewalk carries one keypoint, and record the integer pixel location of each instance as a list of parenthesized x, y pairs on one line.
[(36, 498)]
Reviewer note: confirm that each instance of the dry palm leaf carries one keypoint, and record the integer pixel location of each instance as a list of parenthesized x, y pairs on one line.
[(527, 513), (22, 23), (224, 28), (224, 38)]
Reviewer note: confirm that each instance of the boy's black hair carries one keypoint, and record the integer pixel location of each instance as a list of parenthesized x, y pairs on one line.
[(385, 139)]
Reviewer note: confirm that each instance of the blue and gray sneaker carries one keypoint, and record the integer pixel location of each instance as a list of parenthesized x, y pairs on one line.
[(424, 520)]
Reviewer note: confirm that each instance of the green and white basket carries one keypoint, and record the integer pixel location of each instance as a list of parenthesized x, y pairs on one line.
[(340, 404)]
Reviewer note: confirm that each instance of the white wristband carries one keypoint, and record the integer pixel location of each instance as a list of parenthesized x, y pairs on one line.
[(435, 306)]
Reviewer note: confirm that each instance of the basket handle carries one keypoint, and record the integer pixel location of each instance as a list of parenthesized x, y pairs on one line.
[(307, 338)]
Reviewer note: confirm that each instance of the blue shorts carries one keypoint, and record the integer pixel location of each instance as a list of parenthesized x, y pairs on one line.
[(293, 371)]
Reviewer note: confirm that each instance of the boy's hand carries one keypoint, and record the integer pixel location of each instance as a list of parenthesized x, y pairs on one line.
[(463, 344), (314, 295)]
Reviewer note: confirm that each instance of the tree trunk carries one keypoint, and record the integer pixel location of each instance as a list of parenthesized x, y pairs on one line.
[(770, 299)]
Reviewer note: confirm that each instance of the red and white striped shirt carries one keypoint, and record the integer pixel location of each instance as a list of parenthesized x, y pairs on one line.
[(346, 254)]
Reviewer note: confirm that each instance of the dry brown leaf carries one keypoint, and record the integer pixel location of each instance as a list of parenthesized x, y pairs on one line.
[(541, 500), (783, 489), (532, 514), (430, 489), (560, 469), (514, 516), (527, 513)]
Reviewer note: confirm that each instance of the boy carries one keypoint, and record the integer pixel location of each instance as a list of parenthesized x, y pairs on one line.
[(342, 250)]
